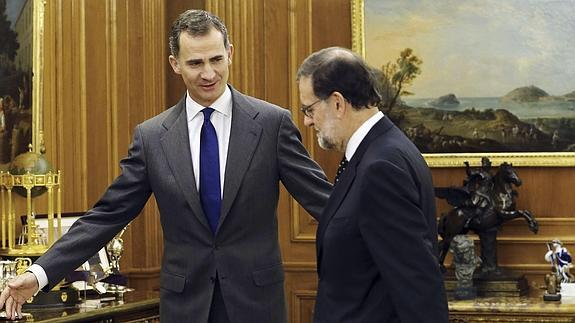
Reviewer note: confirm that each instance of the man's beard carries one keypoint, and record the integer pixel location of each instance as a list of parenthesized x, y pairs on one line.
[(328, 142), (327, 137), (325, 143)]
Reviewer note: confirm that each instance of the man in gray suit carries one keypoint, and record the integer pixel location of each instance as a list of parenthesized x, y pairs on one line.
[(221, 260)]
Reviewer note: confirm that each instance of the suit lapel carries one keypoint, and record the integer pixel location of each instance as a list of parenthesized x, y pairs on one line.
[(345, 182), (244, 137), (176, 146)]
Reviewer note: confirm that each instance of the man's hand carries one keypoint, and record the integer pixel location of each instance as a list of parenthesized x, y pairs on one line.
[(18, 291)]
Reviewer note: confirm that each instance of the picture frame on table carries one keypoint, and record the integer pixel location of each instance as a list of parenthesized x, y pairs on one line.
[(98, 264)]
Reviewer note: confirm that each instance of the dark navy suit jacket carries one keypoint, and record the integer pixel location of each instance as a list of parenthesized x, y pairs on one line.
[(377, 238)]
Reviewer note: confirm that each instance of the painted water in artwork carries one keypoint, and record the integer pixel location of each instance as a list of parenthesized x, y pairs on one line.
[(476, 75), (15, 78)]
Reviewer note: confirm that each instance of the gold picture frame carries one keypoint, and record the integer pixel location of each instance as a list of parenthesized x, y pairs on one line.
[(38, 81), (534, 159), (21, 79)]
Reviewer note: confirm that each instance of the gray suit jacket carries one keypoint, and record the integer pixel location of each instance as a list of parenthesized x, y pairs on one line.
[(265, 148)]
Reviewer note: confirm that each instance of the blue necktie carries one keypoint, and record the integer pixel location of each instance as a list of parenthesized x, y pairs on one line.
[(210, 193)]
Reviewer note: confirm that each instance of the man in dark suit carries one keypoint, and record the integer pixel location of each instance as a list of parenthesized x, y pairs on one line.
[(213, 162), (377, 239)]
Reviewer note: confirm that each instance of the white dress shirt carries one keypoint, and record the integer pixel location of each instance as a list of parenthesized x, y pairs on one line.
[(221, 119), (357, 137)]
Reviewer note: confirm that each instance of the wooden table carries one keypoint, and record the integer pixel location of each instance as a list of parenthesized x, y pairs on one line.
[(525, 309), (134, 307)]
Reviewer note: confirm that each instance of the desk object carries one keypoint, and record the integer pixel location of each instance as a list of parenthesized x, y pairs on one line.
[(525, 309), (29, 175), (133, 307), (508, 284)]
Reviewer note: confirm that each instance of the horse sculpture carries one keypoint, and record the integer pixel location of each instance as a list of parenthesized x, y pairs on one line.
[(483, 203)]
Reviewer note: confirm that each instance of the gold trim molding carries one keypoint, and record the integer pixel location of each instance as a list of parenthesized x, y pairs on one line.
[(517, 159), (37, 72), (357, 24)]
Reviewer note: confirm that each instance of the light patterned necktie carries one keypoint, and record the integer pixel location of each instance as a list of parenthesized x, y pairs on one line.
[(341, 168)]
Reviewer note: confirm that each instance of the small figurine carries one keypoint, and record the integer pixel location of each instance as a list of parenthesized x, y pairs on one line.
[(465, 263), (552, 286), (560, 259), (115, 249)]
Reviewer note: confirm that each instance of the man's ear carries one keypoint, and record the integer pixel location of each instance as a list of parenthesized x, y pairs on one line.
[(230, 54), (340, 103), (174, 63)]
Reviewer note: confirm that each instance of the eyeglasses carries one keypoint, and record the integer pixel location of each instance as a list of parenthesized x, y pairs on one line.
[(307, 109)]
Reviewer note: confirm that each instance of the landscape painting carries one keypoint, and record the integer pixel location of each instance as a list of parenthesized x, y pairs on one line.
[(476, 76), (16, 34)]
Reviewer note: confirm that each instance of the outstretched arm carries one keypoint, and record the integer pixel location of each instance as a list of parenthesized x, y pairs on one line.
[(120, 204), (302, 176), (18, 291)]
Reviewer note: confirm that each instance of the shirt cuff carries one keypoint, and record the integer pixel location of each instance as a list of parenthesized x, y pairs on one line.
[(40, 274)]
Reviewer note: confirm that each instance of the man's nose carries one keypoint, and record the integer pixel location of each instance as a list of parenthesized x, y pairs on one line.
[(208, 73), (307, 121)]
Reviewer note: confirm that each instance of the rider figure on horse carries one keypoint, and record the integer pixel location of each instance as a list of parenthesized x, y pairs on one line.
[(479, 183), (484, 202)]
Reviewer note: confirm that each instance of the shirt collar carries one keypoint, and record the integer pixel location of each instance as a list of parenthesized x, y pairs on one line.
[(223, 105), (357, 137)]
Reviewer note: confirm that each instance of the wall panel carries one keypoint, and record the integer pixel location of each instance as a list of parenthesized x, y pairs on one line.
[(104, 75)]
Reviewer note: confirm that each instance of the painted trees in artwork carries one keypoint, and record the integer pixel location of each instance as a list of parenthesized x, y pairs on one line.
[(395, 77), (8, 37)]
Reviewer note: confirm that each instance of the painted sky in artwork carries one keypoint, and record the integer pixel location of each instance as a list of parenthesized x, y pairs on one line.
[(13, 8), (477, 48)]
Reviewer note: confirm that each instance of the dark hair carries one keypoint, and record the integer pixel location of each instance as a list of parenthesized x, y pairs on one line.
[(197, 23), (339, 69)]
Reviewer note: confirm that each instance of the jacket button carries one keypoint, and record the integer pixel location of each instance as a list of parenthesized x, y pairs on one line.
[(213, 280)]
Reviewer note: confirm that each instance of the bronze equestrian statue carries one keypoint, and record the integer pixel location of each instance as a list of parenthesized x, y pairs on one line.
[(483, 203)]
